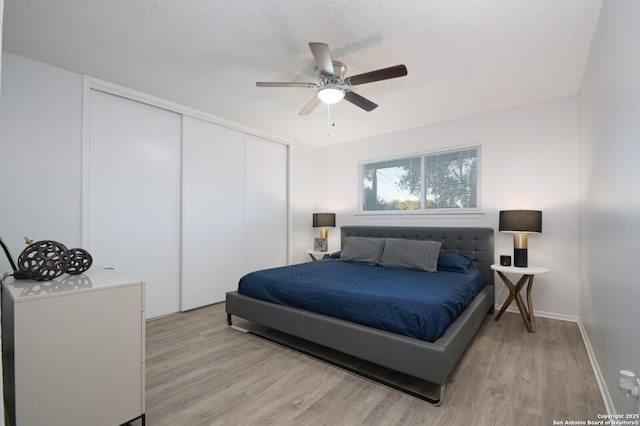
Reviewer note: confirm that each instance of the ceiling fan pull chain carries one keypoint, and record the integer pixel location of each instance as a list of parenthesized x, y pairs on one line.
[(329, 123)]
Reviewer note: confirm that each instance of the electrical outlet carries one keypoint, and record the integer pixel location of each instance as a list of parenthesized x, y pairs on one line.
[(628, 384), (638, 399)]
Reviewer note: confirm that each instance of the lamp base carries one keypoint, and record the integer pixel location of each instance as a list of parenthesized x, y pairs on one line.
[(520, 257)]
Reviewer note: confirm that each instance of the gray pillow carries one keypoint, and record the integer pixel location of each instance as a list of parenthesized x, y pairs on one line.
[(362, 250), (411, 254)]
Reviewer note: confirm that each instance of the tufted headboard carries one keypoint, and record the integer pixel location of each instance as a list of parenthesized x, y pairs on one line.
[(474, 241)]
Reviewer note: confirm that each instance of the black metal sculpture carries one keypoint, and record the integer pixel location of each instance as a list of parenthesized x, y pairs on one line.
[(46, 260)]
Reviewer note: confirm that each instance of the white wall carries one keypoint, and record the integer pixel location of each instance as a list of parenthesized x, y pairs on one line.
[(1, 381), (40, 165), (303, 200), (41, 161), (529, 161), (610, 195)]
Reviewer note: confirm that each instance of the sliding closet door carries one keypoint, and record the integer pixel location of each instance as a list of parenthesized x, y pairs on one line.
[(266, 201), (213, 212), (134, 195)]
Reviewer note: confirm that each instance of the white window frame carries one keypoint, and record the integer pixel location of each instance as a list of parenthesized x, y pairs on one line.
[(422, 211)]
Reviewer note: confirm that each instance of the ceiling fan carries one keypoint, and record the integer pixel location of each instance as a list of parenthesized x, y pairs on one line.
[(332, 84)]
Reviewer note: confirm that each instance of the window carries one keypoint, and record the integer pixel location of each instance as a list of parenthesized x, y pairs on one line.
[(430, 182)]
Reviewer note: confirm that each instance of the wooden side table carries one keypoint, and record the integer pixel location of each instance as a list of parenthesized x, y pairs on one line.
[(514, 291)]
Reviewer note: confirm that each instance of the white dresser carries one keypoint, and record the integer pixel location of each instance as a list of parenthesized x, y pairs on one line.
[(73, 349)]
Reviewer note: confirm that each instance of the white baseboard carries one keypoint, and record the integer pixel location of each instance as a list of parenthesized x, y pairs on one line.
[(606, 396), (542, 314)]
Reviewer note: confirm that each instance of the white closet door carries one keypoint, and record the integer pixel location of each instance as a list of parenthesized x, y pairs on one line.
[(266, 203), (134, 195), (213, 212)]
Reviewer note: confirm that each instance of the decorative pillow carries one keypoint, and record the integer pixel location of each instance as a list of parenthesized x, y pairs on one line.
[(454, 262), (335, 255), (411, 254), (362, 250)]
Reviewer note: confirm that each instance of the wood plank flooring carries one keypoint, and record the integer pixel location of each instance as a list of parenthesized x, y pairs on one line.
[(201, 372)]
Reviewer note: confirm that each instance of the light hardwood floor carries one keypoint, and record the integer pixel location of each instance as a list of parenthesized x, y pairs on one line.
[(201, 372)]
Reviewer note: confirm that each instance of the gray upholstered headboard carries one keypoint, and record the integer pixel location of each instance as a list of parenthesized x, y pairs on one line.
[(474, 241)]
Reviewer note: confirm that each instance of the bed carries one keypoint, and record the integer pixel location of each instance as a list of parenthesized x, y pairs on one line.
[(431, 361)]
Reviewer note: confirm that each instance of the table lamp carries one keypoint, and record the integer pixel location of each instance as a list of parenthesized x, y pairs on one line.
[(324, 221), (520, 223)]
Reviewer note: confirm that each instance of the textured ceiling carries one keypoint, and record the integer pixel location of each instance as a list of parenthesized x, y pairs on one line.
[(464, 57)]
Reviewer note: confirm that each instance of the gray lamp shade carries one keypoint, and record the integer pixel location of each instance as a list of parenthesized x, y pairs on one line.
[(520, 221), (324, 220)]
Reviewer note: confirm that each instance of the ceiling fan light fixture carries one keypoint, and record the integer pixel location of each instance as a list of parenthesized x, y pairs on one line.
[(330, 94)]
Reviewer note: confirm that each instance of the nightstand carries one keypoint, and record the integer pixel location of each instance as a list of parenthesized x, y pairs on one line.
[(514, 291), (318, 255)]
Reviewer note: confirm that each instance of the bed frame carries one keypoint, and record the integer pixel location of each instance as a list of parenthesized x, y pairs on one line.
[(428, 361)]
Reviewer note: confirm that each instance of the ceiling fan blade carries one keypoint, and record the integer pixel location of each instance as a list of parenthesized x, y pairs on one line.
[(382, 74), (359, 101), (322, 57), (313, 103), (284, 84)]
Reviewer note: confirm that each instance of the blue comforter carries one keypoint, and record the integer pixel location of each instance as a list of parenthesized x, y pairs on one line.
[(408, 302)]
